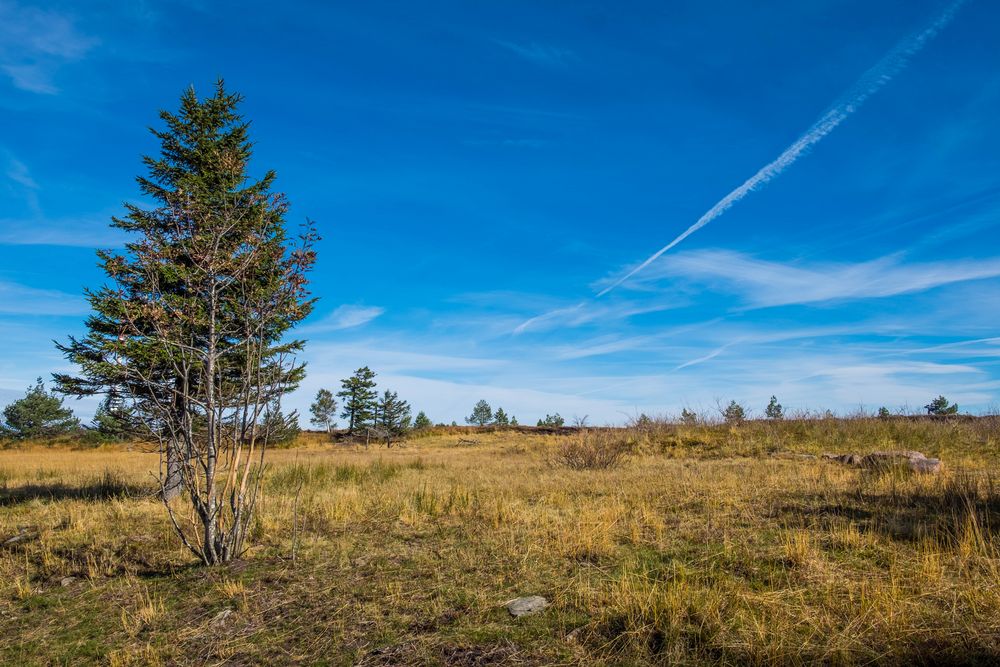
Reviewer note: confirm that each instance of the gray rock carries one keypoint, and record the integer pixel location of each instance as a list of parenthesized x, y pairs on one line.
[(925, 465), (912, 459), (847, 459), (527, 605), (23, 535), (220, 619)]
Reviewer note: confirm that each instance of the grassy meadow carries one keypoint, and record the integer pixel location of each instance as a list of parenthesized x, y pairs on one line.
[(705, 544)]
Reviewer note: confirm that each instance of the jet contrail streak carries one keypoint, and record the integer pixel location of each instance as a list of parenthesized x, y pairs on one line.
[(869, 84)]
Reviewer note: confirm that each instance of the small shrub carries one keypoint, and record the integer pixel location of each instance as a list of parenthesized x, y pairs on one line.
[(774, 410), (593, 450), (940, 406), (552, 421), (422, 422), (734, 413)]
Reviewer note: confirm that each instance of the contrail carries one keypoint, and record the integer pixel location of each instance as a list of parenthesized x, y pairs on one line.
[(869, 84)]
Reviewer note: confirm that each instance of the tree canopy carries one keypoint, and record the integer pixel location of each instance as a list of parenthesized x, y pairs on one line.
[(40, 414), (191, 328)]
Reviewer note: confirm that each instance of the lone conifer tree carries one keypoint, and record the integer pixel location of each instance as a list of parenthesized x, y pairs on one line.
[(774, 410), (393, 416), (421, 421), (39, 414), (734, 413), (481, 415), (190, 328), (324, 410), (358, 392), (939, 406)]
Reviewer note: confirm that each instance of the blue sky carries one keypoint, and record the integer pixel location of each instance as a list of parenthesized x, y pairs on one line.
[(481, 171)]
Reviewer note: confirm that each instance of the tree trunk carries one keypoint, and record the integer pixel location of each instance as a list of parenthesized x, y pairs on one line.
[(172, 483)]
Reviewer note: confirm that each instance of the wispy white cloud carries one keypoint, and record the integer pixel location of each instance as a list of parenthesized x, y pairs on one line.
[(708, 357), (34, 78), (19, 177), (18, 172), (346, 316), (603, 347), (393, 357), (35, 42), (869, 84), (541, 54), (89, 232), (540, 320), (585, 313), (764, 283), (19, 299)]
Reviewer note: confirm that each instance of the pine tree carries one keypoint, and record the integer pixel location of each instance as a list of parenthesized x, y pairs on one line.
[(114, 421), (500, 418), (394, 416), (734, 413), (939, 406), (283, 430), (688, 417), (191, 331), (324, 410), (481, 415), (39, 414), (359, 406), (774, 410), (552, 421), (513, 420), (421, 421)]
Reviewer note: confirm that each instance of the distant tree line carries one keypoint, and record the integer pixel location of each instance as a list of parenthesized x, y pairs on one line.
[(41, 414), (483, 415), (385, 416)]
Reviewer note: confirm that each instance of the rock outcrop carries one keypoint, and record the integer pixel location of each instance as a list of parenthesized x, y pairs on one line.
[(914, 460)]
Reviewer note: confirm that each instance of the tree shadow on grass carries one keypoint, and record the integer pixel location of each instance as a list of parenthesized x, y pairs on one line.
[(900, 510), (108, 486)]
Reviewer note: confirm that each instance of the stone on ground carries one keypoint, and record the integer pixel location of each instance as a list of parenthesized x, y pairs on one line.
[(527, 605)]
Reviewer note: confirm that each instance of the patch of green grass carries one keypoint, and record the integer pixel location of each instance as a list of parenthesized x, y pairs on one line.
[(317, 475)]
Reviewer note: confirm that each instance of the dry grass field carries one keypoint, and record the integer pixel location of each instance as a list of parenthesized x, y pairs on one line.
[(706, 544)]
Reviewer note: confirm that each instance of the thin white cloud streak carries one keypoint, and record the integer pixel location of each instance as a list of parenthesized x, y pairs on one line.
[(347, 316), (18, 299), (572, 352), (542, 54), (870, 83), (552, 314), (966, 348), (388, 357), (90, 232), (708, 357), (32, 78), (34, 42), (18, 172), (767, 284), (578, 315)]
